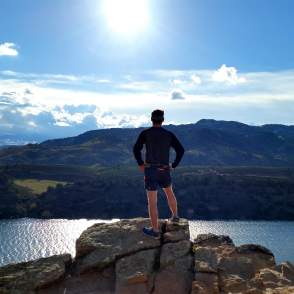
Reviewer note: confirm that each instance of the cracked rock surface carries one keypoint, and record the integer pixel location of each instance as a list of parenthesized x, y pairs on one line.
[(117, 258)]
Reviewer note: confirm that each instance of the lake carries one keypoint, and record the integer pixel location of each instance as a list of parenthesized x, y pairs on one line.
[(25, 239)]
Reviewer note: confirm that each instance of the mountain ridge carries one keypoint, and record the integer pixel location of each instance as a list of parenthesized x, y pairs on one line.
[(207, 142)]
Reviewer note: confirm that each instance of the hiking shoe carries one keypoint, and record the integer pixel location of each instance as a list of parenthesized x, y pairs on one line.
[(174, 220), (151, 233)]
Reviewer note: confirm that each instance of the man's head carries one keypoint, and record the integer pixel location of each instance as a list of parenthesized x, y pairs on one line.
[(157, 117)]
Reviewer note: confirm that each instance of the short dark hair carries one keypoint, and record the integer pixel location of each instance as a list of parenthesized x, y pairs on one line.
[(157, 116)]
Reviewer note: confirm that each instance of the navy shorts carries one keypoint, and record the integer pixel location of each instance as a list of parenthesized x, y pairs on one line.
[(156, 176)]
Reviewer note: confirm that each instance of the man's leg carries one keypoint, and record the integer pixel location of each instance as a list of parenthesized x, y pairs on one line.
[(171, 199), (152, 207)]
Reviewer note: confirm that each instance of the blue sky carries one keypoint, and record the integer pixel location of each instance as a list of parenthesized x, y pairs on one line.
[(65, 67)]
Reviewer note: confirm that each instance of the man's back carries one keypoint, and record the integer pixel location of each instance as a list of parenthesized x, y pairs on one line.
[(158, 142)]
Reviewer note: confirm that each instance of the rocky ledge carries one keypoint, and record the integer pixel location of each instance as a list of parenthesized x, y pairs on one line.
[(118, 258)]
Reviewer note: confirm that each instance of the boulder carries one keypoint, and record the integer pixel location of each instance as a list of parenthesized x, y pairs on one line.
[(27, 277), (176, 232), (281, 290), (176, 264), (221, 266), (287, 270), (245, 261), (205, 283), (212, 240), (243, 266), (272, 279), (171, 252), (135, 273), (102, 244), (233, 284), (205, 260), (253, 248), (88, 283)]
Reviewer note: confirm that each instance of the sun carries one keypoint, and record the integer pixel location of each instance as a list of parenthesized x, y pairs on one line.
[(127, 17)]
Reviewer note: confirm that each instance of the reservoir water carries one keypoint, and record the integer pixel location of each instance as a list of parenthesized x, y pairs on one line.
[(26, 239)]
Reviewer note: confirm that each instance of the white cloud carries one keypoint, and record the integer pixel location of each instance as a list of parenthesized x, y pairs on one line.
[(196, 79), (110, 120), (177, 94), (177, 82), (61, 124), (187, 81), (228, 75), (8, 49), (32, 124), (9, 73), (103, 81), (139, 86), (60, 79)]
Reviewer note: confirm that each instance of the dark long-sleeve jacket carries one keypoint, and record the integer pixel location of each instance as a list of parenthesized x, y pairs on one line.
[(158, 142)]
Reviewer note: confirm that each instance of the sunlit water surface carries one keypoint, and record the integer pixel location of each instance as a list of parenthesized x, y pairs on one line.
[(26, 239)]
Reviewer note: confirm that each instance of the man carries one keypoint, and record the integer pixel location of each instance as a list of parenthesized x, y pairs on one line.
[(156, 167)]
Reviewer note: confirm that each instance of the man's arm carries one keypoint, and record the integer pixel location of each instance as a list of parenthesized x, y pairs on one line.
[(138, 147), (175, 143)]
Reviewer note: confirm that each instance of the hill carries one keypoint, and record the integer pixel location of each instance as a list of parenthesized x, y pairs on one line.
[(207, 142)]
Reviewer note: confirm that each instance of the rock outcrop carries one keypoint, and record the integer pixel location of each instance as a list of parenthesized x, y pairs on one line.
[(221, 267), (116, 258)]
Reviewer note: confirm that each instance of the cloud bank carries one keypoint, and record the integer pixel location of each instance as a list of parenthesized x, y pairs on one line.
[(56, 105)]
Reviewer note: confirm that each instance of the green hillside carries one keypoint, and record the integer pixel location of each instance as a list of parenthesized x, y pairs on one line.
[(202, 192), (208, 142)]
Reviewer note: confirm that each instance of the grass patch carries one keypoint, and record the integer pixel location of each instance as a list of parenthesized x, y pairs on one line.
[(38, 186)]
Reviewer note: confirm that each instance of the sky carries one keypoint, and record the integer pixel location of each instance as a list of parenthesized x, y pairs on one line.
[(71, 66)]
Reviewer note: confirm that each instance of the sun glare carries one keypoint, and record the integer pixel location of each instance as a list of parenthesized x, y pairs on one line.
[(126, 16)]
